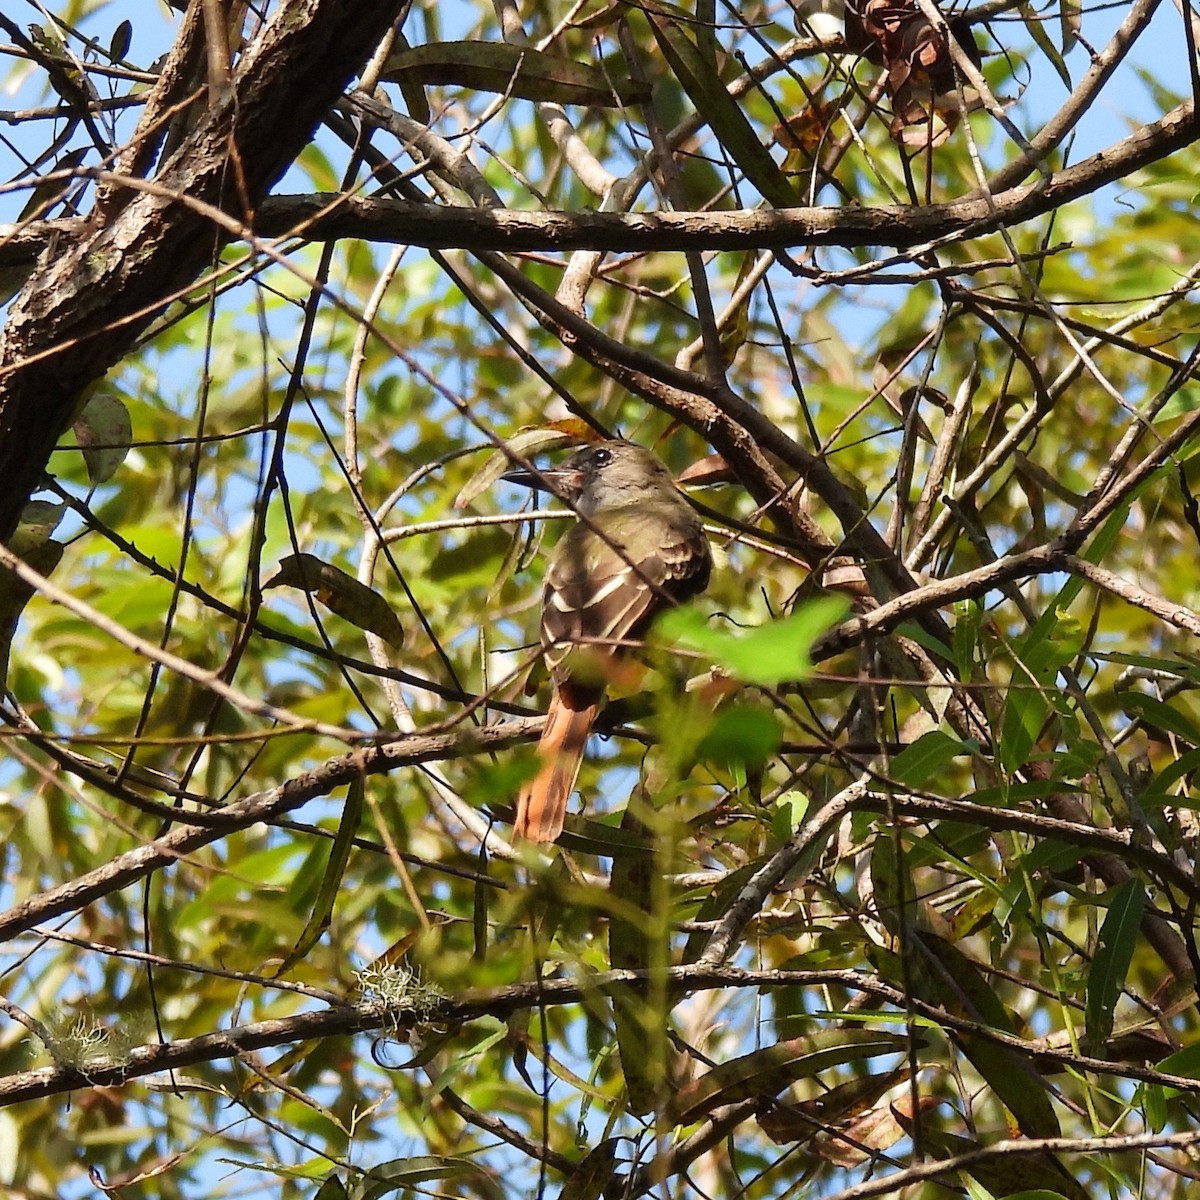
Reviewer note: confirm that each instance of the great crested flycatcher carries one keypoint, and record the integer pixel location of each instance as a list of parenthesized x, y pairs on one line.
[(636, 548)]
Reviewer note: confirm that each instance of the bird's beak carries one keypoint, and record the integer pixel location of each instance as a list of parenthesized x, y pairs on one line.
[(564, 482)]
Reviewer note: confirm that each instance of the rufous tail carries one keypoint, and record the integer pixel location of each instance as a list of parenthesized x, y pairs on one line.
[(542, 804)]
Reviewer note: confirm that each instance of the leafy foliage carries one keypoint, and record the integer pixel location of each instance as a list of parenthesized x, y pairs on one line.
[(888, 859)]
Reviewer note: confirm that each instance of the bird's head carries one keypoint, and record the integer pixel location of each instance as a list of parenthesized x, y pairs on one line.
[(606, 475)]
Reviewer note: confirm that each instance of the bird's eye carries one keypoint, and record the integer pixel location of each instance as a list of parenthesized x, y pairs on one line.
[(601, 457)]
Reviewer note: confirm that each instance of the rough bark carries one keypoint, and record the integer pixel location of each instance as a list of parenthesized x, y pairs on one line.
[(93, 292)]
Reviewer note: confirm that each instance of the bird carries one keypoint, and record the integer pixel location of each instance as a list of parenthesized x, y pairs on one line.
[(636, 547)]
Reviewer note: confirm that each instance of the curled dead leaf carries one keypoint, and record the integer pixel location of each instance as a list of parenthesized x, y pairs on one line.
[(341, 594), (919, 64)]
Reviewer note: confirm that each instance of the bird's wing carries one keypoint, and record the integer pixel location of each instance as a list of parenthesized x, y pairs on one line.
[(596, 591)]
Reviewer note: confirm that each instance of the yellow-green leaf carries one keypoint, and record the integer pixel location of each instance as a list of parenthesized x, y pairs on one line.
[(104, 433), (768, 654)]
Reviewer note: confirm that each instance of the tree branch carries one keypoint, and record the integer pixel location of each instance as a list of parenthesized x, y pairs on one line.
[(84, 308), (434, 226), (501, 1003), (128, 868)]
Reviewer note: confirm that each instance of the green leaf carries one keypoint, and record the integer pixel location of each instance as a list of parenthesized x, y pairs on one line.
[(637, 938), (38, 520), (1152, 1098), (594, 1172), (43, 556), (698, 77), (769, 1071), (513, 71), (47, 194), (410, 86), (119, 43), (1036, 28), (1185, 401), (736, 329), (1110, 964), (715, 902), (923, 638), (767, 654), (1025, 712), (1054, 641), (410, 1173), (891, 884), (1151, 662), (331, 880), (1185, 1062), (915, 765), (1033, 1194), (104, 433), (741, 736), (1017, 1084), (947, 841), (1160, 716), (968, 621), (331, 1189), (1028, 1175), (1008, 795), (790, 811), (943, 975)]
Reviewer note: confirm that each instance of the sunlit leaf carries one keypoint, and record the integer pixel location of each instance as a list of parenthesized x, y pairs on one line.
[(1036, 28), (405, 1173), (527, 443), (769, 654), (104, 432)]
